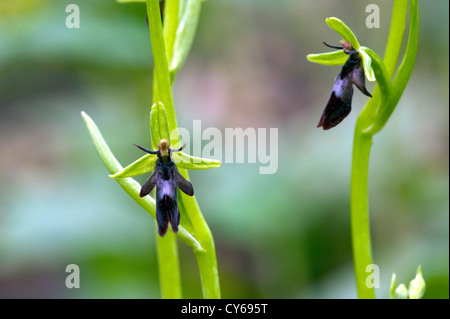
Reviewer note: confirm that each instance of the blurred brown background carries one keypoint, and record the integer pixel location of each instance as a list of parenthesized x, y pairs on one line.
[(284, 235)]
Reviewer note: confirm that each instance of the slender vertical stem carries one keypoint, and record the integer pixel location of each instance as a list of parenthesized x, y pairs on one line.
[(209, 274), (370, 121), (169, 268), (359, 205), (160, 61), (167, 249), (206, 258)]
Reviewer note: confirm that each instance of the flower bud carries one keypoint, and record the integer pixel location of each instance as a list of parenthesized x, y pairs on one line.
[(401, 292), (417, 285)]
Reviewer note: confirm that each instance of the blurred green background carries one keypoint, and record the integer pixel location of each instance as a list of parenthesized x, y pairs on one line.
[(284, 235)]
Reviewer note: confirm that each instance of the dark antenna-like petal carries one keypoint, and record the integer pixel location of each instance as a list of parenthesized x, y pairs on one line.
[(178, 149), (146, 150), (333, 46)]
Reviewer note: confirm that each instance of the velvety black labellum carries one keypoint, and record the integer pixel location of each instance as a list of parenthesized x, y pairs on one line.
[(340, 102), (166, 178)]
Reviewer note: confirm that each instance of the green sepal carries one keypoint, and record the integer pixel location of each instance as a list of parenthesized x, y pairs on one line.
[(328, 58), (146, 164), (141, 166), (344, 31), (186, 161)]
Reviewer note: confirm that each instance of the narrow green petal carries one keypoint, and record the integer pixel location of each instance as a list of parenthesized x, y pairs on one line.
[(345, 32), (147, 162), (329, 58), (143, 165), (379, 69), (186, 161), (367, 65)]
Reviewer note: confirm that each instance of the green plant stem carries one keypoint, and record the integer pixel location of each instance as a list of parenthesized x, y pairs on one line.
[(359, 206), (206, 256), (370, 121), (160, 62), (167, 249), (168, 265)]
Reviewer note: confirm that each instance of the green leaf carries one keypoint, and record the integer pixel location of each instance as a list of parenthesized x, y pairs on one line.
[(395, 39), (159, 124), (329, 58), (186, 161), (185, 34), (345, 32), (403, 72), (367, 65), (141, 166)]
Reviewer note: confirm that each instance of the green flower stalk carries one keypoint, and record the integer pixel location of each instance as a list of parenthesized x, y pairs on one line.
[(206, 257), (373, 117), (168, 44)]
